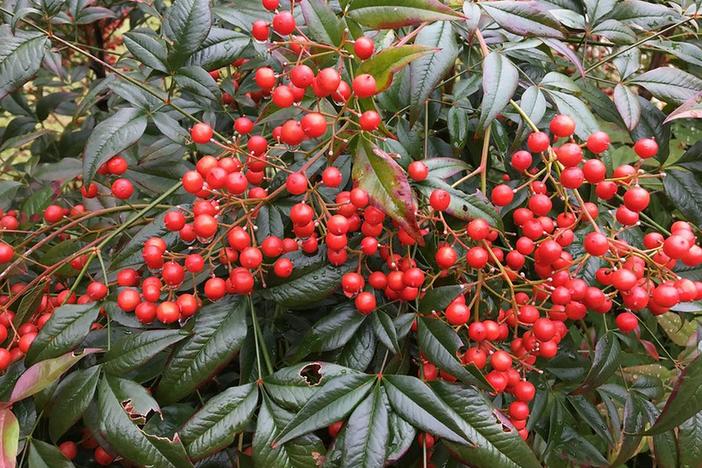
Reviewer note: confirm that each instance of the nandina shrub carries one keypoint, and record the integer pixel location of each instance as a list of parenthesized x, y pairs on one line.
[(355, 233)]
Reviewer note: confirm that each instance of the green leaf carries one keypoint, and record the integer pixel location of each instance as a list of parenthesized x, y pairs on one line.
[(187, 24), (443, 168), (604, 362), (197, 81), (331, 332), (500, 80), (457, 120), (490, 444), (690, 441), (615, 31), (9, 438), (685, 192), (387, 186), (440, 343), (46, 455), (400, 438), (312, 280), (628, 105), (597, 9), (589, 413), (130, 253), (292, 387), (383, 65), (462, 205), (438, 298), (135, 399), (585, 122), (44, 373), (28, 305), (269, 222), (646, 15), (301, 452), (533, 103), (215, 425), (322, 23), (134, 350), (110, 137), (392, 14), (20, 58), (367, 432), (148, 49), (685, 400), (358, 352), (8, 189), (651, 125), (426, 72), (130, 441), (417, 404), (670, 84), (523, 18), (634, 421), (218, 332), (72, 397), (65, 330), (220, 49), (385, 330), (329, 404)]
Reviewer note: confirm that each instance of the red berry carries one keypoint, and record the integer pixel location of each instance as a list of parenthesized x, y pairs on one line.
[(282, 96), (627, 322), (363, 47), (122, 189), (301, 76), (538, 142), (292, 133), (646, 148), (6, 252), (284, 23), (562, 126), (270, 5), (418, 171), (69, 449), (332, 177), (314, 124), (53, 213), (201, 133), (369, 120), (446, 257), (328, 80), (521, 160), (296, 183), (439, 199), (259, 30), (283, 267), (265, 78), (365, 302), (364, 86), (502, 195), (598, 142)]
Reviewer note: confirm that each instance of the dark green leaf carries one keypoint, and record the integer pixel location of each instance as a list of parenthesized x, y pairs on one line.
[(322, 23), (220, 49), (384, 329), (440, 343), (8, 189), (130, 253), (589, 413), (187, 24), (524, 18), (500, 80), (646, 15), (443, 168), (28, 305), (46, 455), (383, 65), (134, 350), (130, 441), (66, 329), (218, 332), (685, 400), (358, 352), (329, 404), (386, 183), (301, 452), (148, 49), (197, 81), (438, 298), (215, 425), (585, 122), (615, 31), (457, 120), (690, 441), (604, 362), (400, 438), (20, 58), (670, 84), (426, 72), (628, 105), (417, 404), (685, 192), (331, 332), (72, 397), (391, 14), (634, 421), (367, 432), (491, 445), (110, 137)]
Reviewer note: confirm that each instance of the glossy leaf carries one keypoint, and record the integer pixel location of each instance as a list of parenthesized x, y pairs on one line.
[(148, 49), (215, 425), (415, 402), (604, 362), (690, 441), (130, 441), (218, 332), (464, 206), (383, 65), (367, 431), (330, 403), (443, 168), (390, 14), (219, 49), (44, 373), (684, 401), (628, 105), (500, 80), (685, 192), (9, 438), (387, 186), (110, 137), (197, 81), (72, 397), (585, 122), (670, 85), (331, 332), (132, 351), (65, 330), (20, 58), (690, 109), (186, 25), (46, 455), (438, 298), (385, 330), (490, 443), (322, 23), (528, 18)]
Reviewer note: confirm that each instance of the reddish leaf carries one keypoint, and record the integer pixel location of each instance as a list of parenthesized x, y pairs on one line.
[(377, 173), (9, 438)]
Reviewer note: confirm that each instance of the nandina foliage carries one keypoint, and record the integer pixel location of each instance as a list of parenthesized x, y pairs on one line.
[(350, 233)]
